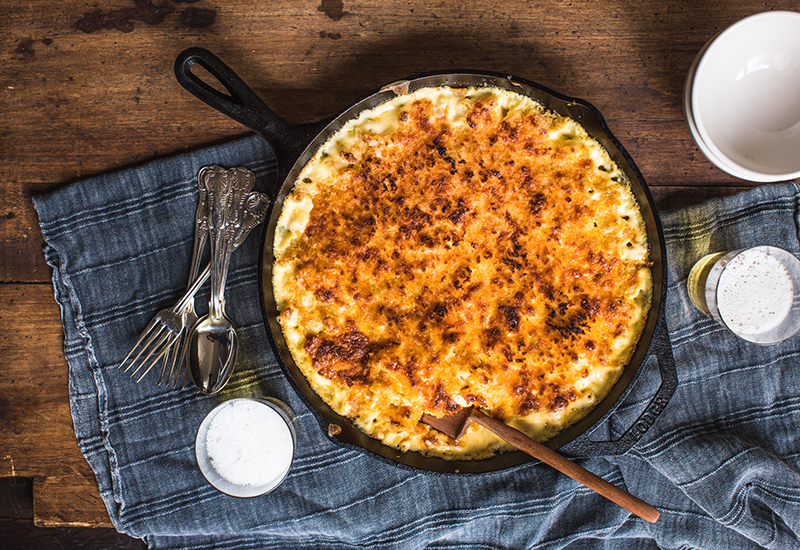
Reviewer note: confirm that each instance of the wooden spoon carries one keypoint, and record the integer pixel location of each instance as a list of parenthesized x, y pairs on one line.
[(454, 425)]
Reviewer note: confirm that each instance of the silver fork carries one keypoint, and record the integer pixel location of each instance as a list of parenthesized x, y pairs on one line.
[(160, 335), (255, 210), (171, 360)]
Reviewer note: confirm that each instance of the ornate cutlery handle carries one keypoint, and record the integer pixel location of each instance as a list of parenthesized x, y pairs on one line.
[(218, 183), (231, 211), (255, 210), (200, 223)]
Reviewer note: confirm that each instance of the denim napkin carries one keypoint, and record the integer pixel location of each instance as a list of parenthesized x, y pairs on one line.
[(721, 463)]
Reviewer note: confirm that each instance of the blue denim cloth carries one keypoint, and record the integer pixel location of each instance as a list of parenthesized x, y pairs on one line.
[(721, 463)]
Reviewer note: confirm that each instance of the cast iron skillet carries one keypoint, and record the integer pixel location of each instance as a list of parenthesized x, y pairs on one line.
[(295, 144)]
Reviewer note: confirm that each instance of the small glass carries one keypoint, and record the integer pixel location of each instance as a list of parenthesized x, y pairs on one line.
[(753, 292), (245, 446)]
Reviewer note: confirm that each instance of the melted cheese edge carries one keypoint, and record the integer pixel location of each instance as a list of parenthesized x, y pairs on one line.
[(321, 172)]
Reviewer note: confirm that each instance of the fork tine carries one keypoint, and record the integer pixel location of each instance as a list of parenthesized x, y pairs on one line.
[(151, 334), (145, 334), (172, 357), (183, 368), (164, 366), (172, 353), (182, 378), (183, 359), (159, 351), (154, 350)]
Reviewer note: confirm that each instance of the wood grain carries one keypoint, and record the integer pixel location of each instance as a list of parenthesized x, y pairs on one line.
[(70, 499), (88, 88), (85, 91), (16, 497), (37, 438), (17, 534)]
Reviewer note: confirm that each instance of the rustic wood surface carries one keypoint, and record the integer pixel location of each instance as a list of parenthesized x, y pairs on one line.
[(88, 87)]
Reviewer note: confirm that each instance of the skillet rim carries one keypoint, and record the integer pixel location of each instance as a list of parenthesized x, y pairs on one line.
[(573, 439)]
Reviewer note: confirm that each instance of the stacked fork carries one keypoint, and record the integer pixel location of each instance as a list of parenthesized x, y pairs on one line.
[(165, 338)]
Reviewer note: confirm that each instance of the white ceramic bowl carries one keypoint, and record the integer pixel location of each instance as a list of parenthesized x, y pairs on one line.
[(687, 109), (743, 98)]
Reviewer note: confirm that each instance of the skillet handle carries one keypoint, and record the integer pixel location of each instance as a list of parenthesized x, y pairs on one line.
[(661, 348), (243, 105)]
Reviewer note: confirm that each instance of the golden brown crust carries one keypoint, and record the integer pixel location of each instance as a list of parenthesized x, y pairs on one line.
[(453, 262)]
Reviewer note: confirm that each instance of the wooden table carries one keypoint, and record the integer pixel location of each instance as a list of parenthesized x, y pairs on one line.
[(88, 88)]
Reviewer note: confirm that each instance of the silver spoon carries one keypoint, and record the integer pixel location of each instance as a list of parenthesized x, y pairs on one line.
[(213, 345)]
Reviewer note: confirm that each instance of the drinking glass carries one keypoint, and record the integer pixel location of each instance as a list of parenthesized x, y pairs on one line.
[(753, 292), (245, 446)]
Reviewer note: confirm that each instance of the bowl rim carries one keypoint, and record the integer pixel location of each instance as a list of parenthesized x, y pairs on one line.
[(698, 139), (717, 156), (688, 113), (219, 482)]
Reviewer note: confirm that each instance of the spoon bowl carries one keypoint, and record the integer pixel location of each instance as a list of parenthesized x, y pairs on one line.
[(213, 348)]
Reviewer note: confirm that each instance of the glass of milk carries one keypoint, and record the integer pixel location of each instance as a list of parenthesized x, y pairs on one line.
[(753, 292), (245, 446)]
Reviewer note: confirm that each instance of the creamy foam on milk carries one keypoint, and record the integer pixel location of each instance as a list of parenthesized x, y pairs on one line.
[(754, 293)]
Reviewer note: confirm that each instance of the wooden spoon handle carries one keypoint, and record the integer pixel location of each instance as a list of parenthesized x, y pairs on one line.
[(566, 467)]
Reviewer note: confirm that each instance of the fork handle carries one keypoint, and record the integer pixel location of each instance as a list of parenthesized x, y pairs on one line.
[(198, 282), (254, 214), (566, 466), (200, 224)]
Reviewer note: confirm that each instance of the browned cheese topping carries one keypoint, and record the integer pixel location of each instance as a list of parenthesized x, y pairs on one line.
[(495, 260)]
